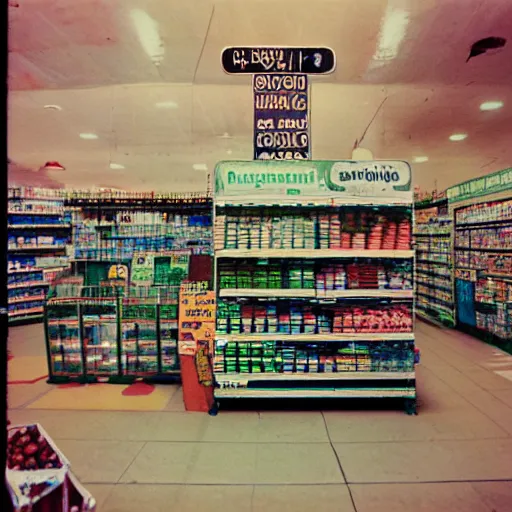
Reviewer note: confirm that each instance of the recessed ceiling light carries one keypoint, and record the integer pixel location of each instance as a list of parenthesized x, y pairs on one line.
[(166, 104), (491, 105), (458, 136), (200, 167), (420, 159), (229, 151), (226, 135), (53, 107), (116, 166), (88, 136)]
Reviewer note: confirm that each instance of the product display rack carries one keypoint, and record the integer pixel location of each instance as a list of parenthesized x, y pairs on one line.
[(112, 334), (38, 234), (483, 266), (315, 299), (120, 229), (434, 266)]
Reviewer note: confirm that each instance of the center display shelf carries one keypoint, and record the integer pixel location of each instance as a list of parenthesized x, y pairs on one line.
[(315, 299), (112, 334)]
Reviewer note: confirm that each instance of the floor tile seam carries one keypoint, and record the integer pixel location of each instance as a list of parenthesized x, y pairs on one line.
[(469, 402), (181, 441), (143, 444), (273, 443), (26, 403), (338, 460), (210, 484), (426, 482), (500, 399), (446, 346)]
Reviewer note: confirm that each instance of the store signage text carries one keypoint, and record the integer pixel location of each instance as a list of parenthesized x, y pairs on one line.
[(314, 178), (252, 60), (281, 117), (491, 184)]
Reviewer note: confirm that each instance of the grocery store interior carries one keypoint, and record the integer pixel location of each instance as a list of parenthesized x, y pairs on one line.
[(259, 256)]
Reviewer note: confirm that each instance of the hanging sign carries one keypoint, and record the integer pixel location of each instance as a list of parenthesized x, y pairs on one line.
[(281, 117), (383, 179), (253, 60), (196, 317), (490, 184)]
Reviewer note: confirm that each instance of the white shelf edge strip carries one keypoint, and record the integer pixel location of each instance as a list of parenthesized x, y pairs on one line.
[(251, 377), (317, 393), (315, 338), (311, 253), (312, 293)]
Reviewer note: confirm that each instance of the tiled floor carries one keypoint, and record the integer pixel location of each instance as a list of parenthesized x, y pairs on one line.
[(454, 456)]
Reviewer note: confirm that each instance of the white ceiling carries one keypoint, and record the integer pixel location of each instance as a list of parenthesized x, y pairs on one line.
[(90, 61)]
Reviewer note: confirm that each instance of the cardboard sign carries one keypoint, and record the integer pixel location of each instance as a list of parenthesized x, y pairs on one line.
[(281, 117), (196, 321), (203, 364), (253, 60)]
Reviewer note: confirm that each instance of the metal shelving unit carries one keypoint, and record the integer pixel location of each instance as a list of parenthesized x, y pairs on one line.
[(261, 357)]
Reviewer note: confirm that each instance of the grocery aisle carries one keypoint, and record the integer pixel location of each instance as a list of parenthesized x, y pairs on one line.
[(455, 455)]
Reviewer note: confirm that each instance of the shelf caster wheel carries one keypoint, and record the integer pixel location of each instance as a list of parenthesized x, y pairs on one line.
[(410, 407), (214, 409)]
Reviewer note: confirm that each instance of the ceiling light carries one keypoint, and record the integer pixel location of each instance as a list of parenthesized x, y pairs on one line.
[(458, 136), (88, 136), (229, 151), (166, 104), (200, 167), (149, 37), (52, 166), (491, 105), (420, 159), (53, 107), (116, 166), (226, 135), (392, 33)]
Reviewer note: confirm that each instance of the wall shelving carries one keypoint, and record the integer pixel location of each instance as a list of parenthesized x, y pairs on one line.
[(434, 268), (483, 266), (38, 234)]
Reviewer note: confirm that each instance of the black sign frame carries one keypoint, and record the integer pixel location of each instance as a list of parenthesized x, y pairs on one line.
[(286, 59)]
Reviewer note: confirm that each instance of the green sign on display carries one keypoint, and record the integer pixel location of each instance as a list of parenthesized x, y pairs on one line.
[(313, 178), (490, 184)]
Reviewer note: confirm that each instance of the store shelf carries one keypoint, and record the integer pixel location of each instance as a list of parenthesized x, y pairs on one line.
[(430, 296), (25, 271), (39, 226), (35, 213), (445, 235), (316, 338), (37, 248), (25, 299), (497, 277), (29, 284), (483, 224), (258, 377), (312, 293), (315, 393), (312, 253), (484, 249), (432, 262), (26, 312)]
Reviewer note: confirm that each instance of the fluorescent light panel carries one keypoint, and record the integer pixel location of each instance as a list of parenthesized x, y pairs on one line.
[(491, 105), (456, 137), (88, 136), (392, 33)]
